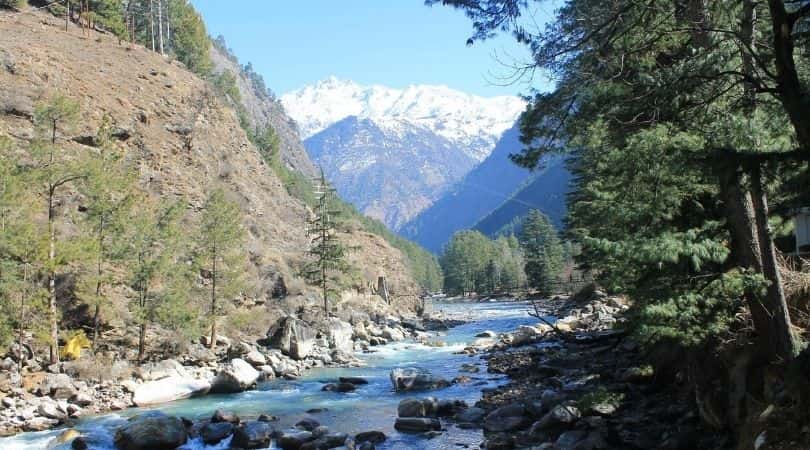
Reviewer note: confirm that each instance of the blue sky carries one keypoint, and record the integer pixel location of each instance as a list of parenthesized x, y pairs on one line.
[(390, 42)]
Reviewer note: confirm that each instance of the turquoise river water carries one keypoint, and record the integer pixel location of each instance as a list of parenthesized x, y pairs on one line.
[(371, 407)]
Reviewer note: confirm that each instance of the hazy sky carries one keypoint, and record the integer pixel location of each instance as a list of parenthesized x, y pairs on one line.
[(293, 43)]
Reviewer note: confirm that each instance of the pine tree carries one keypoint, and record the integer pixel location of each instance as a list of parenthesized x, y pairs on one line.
[(109, 191), (20, 252), (543, 250), (54, 170), (158, 274), (219, 240), (327, 252)]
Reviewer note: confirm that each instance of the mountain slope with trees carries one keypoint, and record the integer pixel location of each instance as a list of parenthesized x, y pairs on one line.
[(495, 192), (181, 138)]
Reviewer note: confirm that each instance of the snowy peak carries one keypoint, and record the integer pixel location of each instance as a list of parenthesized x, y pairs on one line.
[(473, 123)]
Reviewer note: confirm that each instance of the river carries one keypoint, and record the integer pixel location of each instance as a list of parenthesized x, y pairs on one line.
[(371, 407)]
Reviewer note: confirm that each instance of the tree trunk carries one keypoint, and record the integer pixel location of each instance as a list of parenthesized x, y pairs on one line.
[(99, 273), (769, 314), (152, 21), (160, 25), (794, 98), (780, 338), (142, 342), (213, 343)]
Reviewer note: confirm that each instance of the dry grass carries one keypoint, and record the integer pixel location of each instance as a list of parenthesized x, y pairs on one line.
[(795, 274)]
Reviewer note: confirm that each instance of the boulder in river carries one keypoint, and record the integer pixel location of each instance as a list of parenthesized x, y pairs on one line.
[(295, 441), (416, 379), (151, 431), (372, 437), (353, 380), (213, 433), (417, 424), (236, 376), (293, 337), (415, 407), (224, 416), (339, 387), (169, 390), (252, 435)]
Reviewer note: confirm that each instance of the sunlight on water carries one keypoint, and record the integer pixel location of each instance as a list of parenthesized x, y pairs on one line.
[(371, 407)]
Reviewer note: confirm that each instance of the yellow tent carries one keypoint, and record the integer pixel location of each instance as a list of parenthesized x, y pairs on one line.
[(74, 346)]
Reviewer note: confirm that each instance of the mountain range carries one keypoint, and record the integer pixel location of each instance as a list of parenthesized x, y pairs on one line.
[(394, 152), (493, 197)]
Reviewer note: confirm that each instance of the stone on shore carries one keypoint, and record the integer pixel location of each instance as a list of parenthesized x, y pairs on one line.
[(294, 337), (340, 334), (236, 376), (507, 418), (168, 390)]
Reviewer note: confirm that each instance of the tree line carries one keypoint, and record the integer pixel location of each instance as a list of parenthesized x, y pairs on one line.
[(474, 263), (690, 132)]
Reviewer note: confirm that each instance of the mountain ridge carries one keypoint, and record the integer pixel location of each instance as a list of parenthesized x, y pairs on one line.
[(472, 122)]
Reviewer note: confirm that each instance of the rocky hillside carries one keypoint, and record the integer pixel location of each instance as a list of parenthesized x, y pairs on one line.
[(184, 139), (264, 109)]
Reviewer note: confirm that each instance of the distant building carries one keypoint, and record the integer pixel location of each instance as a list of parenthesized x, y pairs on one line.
[(801, 221)]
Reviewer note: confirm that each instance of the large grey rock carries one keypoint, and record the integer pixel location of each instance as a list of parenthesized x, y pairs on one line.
[(213, 433), (417, 424), (560, 417), (507, 418), (293, 337), (236, 376), (152, 431), (393, 334), (51, 410), (59, 386), (255, 358), (168, 390), (295, 440), (415, 407), (159, 370), (416, 379), (252, 435), (339, 334)]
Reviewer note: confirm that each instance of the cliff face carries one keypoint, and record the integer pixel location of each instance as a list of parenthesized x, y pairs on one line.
[(264, 109), (183, 138)]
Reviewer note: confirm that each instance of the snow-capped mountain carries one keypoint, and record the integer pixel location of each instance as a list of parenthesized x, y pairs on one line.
[(389, 171), (472, 123)]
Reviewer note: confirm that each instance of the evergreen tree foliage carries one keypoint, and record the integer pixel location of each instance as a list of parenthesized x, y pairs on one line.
[(680, 114), (21, 298), (109, 191), (110, 15), (189, 39), (13, 4), (543, 252), (219, 242), (55, 168), (471, 262), (327, 252), (158, 273)]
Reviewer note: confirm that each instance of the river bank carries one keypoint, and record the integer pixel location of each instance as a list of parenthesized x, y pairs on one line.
[(373, 406), (585, 385)]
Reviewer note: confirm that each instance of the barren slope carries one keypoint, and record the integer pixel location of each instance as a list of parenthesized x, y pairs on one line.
[(182, 136)]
